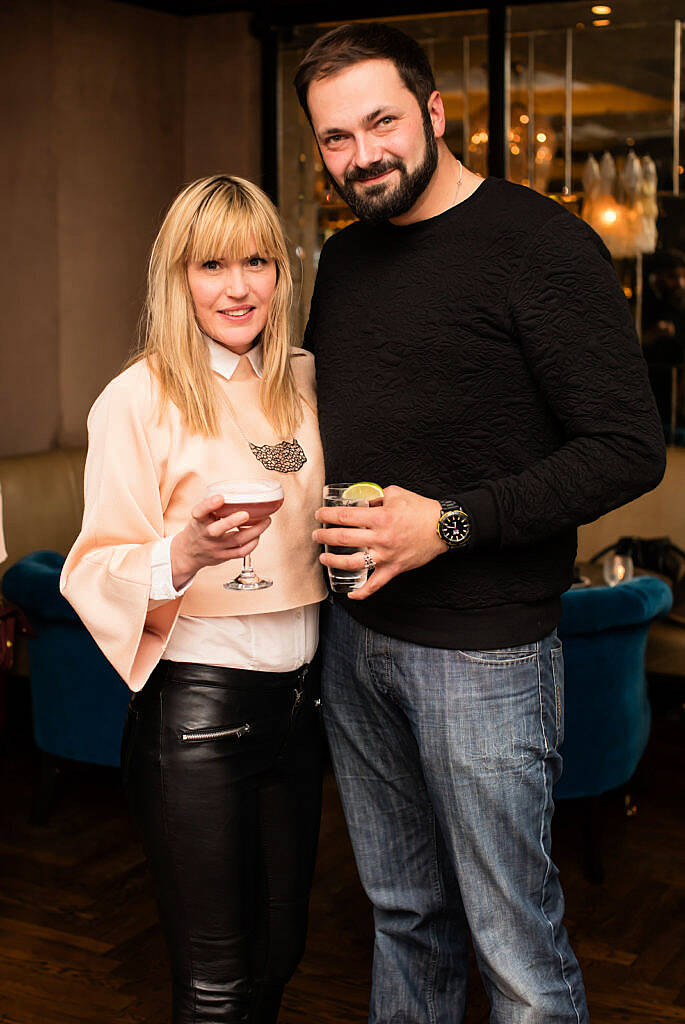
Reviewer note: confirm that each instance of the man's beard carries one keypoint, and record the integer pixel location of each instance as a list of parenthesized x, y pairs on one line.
[(380, 202)]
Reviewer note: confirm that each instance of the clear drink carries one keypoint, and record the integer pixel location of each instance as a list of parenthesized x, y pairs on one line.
[(261, 498), (343, 581)]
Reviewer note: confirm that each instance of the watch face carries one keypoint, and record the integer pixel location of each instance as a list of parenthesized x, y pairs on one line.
[(455, 527)]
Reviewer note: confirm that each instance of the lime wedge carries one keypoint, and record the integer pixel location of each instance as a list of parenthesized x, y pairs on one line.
[(363, 491)]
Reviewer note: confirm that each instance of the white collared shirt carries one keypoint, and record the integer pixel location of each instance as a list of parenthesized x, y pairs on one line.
[(271, 642)]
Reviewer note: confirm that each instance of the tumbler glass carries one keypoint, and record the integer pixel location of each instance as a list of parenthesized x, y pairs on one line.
[(343, 580)]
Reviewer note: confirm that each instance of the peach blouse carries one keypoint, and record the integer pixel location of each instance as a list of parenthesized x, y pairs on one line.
[(143, 476)]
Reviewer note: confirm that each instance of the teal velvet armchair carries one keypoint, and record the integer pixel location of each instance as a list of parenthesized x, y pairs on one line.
[(79, 702), (607, 714)]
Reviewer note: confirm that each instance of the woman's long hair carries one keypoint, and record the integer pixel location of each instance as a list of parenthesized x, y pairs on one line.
[(216, 218)]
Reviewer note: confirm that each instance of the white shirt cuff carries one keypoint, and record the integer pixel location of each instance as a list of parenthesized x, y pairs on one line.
[(161, 585)]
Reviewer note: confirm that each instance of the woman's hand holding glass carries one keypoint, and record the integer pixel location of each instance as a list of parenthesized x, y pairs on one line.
[(206, 540)]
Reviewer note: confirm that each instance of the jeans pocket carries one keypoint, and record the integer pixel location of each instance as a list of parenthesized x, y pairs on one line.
[(558, 676), (502, 656)]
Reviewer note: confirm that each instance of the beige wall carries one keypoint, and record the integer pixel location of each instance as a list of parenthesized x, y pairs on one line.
[(661, 513), (110, 109), (222, 123), (29, 392), (118, 99)]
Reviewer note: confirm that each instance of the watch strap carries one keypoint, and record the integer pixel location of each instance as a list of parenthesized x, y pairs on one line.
[(447, 505)]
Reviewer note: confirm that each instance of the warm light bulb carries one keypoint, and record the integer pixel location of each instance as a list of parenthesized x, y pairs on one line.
[(608, 216), (515, 150), (541, 137), (524, 119), (600, 22), (601, 9)]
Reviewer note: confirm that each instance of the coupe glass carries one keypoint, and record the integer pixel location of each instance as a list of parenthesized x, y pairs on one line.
[(261, 498)]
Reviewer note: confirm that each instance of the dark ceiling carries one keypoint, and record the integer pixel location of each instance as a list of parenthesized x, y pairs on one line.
[(287, 12)]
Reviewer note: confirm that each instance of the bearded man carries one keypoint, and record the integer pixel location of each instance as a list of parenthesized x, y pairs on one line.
[(475, 356)]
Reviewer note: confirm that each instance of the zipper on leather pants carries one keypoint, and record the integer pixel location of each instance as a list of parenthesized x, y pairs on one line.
[(241, 730), (298, 692), (215, 734)]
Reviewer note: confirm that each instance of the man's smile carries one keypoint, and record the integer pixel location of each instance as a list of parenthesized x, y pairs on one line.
[(379, 177)]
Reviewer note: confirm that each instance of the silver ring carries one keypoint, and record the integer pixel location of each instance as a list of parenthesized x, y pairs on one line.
[(369, 563)]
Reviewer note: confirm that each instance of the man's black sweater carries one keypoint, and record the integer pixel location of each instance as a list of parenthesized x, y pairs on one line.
[(485, 355)]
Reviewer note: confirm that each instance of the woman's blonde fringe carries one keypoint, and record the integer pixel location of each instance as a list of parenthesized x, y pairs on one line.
[(213, 218)]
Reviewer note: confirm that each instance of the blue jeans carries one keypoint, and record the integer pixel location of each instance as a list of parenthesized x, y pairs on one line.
[(445, 761)]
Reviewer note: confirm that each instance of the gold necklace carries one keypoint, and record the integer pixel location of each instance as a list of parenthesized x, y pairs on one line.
[(461, 175)]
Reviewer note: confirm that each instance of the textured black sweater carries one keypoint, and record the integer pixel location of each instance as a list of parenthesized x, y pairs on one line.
[(486, 355)]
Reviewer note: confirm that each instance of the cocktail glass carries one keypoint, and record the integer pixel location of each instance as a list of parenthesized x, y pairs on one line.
[(261, 498), (343, 581)]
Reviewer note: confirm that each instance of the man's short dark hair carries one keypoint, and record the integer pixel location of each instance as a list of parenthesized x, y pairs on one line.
[(351, 44)]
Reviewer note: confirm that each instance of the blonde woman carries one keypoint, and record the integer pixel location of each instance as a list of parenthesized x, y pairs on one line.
[(221, 753)]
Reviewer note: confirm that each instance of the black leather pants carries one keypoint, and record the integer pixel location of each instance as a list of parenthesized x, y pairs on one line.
[(222, 768)]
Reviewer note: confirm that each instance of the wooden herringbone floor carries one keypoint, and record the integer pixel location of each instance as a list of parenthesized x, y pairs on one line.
[(80, 944)]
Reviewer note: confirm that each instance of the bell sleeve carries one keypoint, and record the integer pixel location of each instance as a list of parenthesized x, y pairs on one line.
[(107, 574)]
